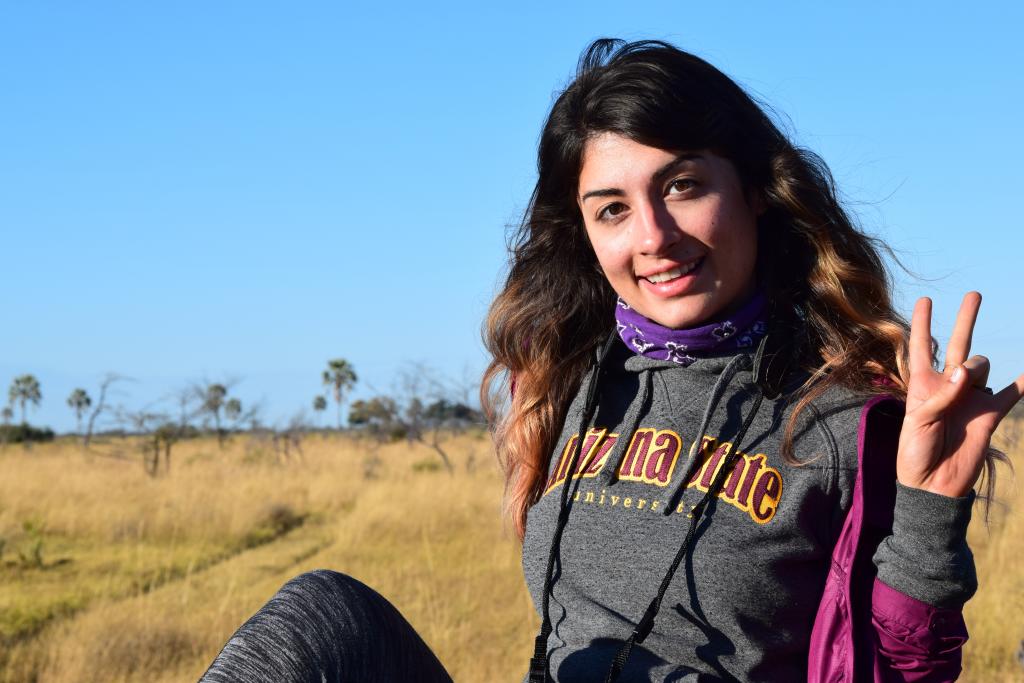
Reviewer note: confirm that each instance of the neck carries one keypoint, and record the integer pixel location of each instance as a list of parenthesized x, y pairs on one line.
[(740, 329)]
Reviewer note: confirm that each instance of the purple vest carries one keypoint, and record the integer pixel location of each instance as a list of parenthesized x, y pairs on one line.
[(865, 630)]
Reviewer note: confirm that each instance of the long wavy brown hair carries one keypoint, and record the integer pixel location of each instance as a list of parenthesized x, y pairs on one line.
[(813, 263)]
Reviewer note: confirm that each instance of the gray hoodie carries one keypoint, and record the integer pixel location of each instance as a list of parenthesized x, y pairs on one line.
[(743, 601)]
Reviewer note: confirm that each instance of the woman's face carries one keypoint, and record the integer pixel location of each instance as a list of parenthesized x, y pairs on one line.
[(673, 231)]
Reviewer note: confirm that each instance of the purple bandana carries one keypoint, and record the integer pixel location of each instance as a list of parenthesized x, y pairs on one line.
[(741, 330)]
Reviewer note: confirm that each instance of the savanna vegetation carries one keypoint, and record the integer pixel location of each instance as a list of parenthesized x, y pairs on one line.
[(116, 569), (111, 574)]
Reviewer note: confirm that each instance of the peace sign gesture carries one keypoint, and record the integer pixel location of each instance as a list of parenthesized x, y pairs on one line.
[(950, 418)]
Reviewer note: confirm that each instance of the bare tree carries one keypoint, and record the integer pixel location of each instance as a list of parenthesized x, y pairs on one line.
[(433, 409), (189, 406), (101, 405), (79, 401), (158, 435), (289, 440), (25, 390), (425, 410), (163, 439)]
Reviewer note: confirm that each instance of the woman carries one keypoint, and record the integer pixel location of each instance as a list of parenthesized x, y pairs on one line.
[(746, 338), (702, 433)]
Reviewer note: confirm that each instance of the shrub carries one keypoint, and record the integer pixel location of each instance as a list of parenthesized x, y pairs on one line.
[(24, 433), (426, 466), (278, 520)]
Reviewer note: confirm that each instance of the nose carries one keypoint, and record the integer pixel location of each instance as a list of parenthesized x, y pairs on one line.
[(656, 228)]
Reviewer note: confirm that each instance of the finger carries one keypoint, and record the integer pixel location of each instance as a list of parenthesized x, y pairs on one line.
[(934, 408), (1010, 396), (963, 331), (977, 368), (921, 336)]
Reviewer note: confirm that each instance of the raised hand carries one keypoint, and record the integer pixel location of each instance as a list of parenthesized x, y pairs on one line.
[(950, 415)]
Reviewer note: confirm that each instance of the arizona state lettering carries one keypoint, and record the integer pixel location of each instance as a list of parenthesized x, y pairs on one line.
[(752, 486), (651, 466), (596, 446)]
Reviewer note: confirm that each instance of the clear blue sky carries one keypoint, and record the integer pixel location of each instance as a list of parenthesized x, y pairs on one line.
[(246, 189)]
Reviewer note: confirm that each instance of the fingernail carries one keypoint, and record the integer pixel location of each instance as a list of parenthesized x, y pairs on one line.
[(956, 375)]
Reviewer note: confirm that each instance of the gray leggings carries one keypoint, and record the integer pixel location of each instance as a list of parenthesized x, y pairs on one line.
[(325, 627)]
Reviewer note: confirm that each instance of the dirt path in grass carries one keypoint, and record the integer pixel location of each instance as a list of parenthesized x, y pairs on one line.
[(166, 632)]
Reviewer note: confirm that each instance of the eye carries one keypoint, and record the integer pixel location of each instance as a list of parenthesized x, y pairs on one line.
[(680, 185), (611, 212)]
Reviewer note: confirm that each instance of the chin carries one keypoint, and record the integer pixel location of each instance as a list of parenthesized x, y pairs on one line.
[(693, 310), (680, 318)]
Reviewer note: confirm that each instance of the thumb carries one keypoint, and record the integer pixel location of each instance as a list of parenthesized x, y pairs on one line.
[(948, 393)]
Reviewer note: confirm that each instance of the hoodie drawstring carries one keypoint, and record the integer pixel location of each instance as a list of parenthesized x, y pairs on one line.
[(733, 368)]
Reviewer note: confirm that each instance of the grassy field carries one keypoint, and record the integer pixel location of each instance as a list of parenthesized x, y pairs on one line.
[(108, 574)]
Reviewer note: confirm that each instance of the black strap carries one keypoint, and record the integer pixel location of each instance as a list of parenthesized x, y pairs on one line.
[(638, 636), (775, 357), (778, 356), (539, 661)]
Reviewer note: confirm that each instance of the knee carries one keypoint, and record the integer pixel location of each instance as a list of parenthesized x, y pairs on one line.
[(321, 584), (330, 597), (326, 621), (313, 624), (322, 580)]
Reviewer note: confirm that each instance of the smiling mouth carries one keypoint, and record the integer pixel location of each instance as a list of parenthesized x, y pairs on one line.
[(672, 274)]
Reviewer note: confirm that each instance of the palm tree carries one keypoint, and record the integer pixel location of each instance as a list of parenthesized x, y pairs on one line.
[(24, 390), (79, 401), (214, 398), (320, 405), (340, 376), (233, 409), (6, 413)]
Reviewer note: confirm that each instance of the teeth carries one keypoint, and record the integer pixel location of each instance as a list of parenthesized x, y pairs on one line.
[(671, 274), (666, 276)]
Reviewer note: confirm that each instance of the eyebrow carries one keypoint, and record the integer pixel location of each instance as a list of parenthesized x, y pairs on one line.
[(659, 175)]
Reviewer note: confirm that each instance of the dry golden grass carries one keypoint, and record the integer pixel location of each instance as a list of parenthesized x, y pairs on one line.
[(143, 579), (995, 616)]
